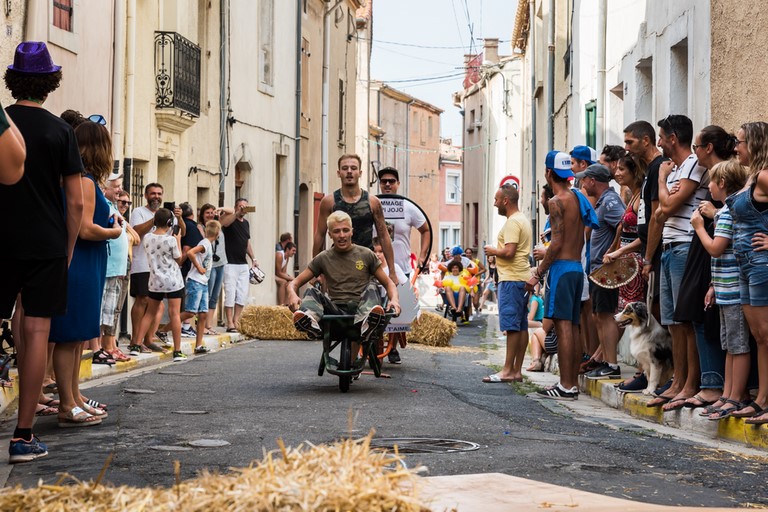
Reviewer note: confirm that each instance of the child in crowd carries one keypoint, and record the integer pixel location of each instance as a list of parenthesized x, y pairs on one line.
[(455, 291), (196, 302), (163, 251), (726, 178)]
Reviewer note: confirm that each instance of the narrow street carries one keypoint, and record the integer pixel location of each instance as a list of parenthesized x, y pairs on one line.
[(257, 392)]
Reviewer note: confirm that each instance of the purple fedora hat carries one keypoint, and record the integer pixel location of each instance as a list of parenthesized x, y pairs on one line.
[(32, 58)]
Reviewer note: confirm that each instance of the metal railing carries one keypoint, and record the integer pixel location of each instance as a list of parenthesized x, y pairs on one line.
[(177, 73)]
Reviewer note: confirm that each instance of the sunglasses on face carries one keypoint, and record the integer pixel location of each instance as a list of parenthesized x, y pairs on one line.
[(97, 118), (388, 181), (129, 203)]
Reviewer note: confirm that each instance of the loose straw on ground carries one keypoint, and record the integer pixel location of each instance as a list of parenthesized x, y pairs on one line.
[(338, 477)]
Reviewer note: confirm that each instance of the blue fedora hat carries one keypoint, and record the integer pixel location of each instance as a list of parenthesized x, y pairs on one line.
[(32, 58)]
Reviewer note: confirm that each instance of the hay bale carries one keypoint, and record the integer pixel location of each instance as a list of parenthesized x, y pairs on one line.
[(269, 323), (431, 329), (343, 476)]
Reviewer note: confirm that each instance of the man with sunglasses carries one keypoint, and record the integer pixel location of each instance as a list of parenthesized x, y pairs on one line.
[(403, 216)]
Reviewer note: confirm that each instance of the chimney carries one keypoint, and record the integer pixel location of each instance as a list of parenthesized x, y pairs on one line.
[(491, 50)]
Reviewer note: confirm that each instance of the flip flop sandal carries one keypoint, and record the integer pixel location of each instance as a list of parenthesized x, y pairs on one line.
[(704, 403), (757, 411), (154, 347), (51, 402), (51, 388), (758, 419), (47, 411), (676, 404), (658, 401)]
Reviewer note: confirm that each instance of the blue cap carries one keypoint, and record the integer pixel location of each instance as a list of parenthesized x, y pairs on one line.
[(585, 153), (560, 163), (457, 251)]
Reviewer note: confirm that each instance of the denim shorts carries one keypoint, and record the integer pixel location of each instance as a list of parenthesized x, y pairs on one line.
[(734, 331), (753, 277), (197, 297), (513, 306), (672, 269)]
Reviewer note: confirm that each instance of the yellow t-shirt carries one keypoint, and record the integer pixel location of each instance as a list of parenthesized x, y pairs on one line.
[(516, 230)]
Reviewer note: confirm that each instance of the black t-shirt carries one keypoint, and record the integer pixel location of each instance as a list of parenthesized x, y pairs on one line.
[(648, 194), (34, 224), (191, 238), (236, 237)]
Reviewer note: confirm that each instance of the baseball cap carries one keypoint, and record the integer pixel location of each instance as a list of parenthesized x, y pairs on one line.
[(597, 171), (585, 153), (389, 170), (457, 251), (560, 163)]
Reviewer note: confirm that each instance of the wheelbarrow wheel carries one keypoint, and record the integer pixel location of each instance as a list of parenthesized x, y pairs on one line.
[(345, 363)]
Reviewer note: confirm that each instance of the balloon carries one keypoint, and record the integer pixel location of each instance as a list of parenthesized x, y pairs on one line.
[(438, 283), (472, 281)]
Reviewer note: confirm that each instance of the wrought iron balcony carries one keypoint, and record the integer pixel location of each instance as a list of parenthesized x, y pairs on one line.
[(177, 73)]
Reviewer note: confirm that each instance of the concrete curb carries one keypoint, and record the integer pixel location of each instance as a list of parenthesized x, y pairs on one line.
[(89, 371), (634, 404)]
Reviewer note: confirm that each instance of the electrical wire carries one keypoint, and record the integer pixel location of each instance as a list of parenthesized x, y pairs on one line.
[(428, 47), (424, 79)]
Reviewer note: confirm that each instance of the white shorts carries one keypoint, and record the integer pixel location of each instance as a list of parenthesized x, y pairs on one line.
[(235, 284)]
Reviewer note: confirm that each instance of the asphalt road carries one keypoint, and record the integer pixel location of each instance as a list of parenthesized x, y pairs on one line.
[(260, 391)]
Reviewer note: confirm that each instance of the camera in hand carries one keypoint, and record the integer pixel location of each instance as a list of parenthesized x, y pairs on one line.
[(169, 206), (216, 258), (175, 229)]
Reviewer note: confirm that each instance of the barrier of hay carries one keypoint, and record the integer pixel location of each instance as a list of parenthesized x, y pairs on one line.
[(343, 476), (269, 323), (431, 329)]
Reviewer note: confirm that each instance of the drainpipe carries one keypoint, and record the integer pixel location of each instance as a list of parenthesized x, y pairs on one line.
[(130, 76), (118, 84), (326, 93), (532, 63), (407, 148), (551, 77), (223, 97), (297, 142), (601, 28)]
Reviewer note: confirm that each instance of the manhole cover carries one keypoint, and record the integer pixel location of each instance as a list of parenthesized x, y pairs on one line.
[(208, 443), (171, 448), (140, 391), (423, 445), (190, 412)]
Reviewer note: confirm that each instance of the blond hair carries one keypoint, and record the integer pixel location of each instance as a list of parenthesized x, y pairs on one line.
[(756, 136), (212, 228), (731, 172), (338, 217)]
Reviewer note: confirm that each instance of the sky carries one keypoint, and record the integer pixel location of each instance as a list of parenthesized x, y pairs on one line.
[(401, 30)]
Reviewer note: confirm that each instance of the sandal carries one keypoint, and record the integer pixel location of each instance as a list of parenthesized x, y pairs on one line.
[(118, 355), (713, 408), (724, 413), (536, 366), (154, 347), (210, 332), (93, 403), (43, 410), (757, 411), (77, 418), (94, 411), (102, 357), (50, 402), (658, 401)]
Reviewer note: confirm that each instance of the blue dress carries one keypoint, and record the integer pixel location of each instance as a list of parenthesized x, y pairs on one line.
[(85, 283)]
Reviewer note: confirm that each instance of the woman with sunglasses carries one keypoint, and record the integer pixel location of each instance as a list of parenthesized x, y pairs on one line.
[(85, 280), (749, 210)]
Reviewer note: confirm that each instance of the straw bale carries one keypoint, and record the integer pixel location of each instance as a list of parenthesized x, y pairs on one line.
[(432, 329), (338, 477), (269, 323)]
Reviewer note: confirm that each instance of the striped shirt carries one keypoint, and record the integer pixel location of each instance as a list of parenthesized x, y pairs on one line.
[(677, 227), (725, 270)]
